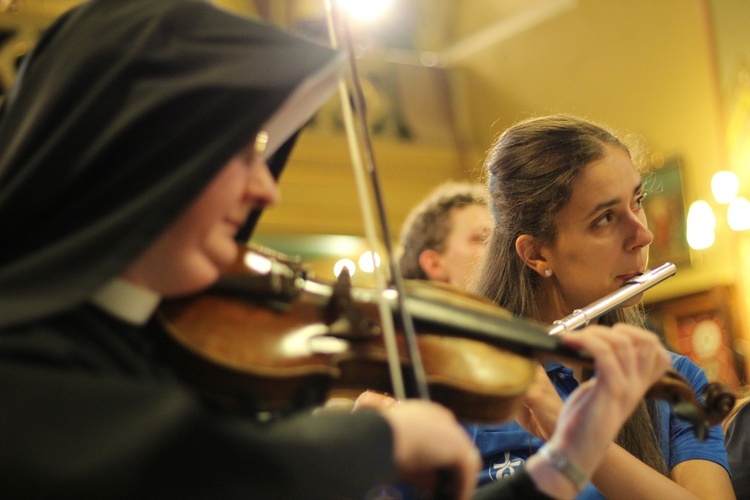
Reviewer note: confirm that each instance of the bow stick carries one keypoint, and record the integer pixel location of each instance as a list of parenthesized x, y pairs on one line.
[(338, 30)]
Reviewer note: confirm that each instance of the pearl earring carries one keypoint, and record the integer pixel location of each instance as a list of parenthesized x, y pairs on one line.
[(548, 273)]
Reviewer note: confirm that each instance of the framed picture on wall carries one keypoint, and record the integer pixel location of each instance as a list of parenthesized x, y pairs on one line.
[(666, 214), (703, 327)]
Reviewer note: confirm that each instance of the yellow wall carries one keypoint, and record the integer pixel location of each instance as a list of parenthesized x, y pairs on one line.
[(640, 66), (733, 69)]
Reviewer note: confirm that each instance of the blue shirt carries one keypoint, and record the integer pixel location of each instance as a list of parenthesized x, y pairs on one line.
[(506, 447)]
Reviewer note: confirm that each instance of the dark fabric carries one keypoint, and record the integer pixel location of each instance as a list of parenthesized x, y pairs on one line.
[(518, 486), (89, 410), (737, 442), (119, 117), (276, 164)]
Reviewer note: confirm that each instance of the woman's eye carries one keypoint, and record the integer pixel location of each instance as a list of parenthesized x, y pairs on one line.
[(604, 219), (481, 237), (639, 200)]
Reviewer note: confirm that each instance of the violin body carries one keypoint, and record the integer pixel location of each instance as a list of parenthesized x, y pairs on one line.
[(289, 349), (478, 382), (244, 353)]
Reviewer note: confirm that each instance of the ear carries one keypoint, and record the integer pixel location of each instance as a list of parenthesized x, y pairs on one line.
[(531, 254), (431, 263)]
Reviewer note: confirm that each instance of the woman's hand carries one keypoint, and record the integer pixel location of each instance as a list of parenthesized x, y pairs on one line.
[(374, 400), (628, 361), (541, 407), (432, 451)]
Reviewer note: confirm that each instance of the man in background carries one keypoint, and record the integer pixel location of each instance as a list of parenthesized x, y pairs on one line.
[(443, 237)]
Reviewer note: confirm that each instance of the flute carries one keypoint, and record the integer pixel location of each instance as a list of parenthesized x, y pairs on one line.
[(582, 317)]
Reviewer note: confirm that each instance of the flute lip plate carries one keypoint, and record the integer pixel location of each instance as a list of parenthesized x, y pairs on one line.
[(582, 317), (667, 269)]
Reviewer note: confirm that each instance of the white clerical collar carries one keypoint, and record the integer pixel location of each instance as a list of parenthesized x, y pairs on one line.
[(126, 301)]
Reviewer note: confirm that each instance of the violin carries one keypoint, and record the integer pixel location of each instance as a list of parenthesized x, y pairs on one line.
[(271, 338), (280, 341)]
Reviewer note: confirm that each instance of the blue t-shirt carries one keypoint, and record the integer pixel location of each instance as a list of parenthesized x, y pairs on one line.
[(506, 447)]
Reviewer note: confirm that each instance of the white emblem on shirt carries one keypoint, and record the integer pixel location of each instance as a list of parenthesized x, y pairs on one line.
[(505, 469)]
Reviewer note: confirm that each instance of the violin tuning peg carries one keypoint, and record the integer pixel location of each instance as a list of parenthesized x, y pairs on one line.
[(689, 412)]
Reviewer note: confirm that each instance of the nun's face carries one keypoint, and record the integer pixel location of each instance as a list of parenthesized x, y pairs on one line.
[(192, 252)]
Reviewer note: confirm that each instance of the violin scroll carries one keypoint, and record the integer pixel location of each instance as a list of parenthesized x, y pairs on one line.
[(676, 390), (719, 401)]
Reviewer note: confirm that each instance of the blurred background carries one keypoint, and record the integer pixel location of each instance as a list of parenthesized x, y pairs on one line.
[(442, 78)]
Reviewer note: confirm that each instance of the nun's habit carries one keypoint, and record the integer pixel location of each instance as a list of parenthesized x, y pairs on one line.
[(119, 117)]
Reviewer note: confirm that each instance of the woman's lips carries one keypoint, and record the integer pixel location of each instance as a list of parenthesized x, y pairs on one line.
[(233, 223), (629, 276)]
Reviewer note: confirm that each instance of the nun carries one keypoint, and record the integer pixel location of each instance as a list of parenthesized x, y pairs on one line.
[(137, 146)]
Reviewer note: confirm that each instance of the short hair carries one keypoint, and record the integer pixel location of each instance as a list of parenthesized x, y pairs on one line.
[(428, 224)]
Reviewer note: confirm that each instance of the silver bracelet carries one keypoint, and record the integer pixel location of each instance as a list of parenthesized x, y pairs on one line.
[(565, 465)]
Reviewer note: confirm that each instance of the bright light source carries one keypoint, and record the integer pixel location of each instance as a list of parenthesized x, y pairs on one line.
[(725, 185), (344, 263), (701, 215), (366, 262), (700, 238), (365, 10), (701, 223), (738, 214), (258, 263)]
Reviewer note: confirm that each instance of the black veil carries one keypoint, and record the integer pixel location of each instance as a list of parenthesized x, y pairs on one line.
[(120, 116)]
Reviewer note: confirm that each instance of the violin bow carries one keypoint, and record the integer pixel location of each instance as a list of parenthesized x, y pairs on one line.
[(363, 163)]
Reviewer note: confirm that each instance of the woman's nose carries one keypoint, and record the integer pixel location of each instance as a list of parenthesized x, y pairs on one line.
[(261, 186), (642, 235)]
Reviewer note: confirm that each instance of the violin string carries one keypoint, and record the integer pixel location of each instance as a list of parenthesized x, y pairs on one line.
[(337, 24)]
